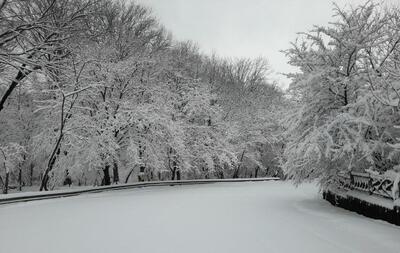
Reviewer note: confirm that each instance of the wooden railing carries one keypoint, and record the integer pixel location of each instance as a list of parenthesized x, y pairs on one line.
[(379, 185)]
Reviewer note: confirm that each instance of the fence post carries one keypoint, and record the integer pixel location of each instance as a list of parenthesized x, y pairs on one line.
[(370, 189), (351, 181), (396, 213)]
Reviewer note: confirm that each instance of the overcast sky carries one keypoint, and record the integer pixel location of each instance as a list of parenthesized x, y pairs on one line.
[(245, 28)]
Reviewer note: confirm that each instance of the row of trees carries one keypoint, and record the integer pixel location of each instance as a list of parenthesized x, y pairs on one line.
[(345, 97), (100, 93)]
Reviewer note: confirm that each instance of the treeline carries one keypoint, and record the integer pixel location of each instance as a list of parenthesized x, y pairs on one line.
[(95, 92)]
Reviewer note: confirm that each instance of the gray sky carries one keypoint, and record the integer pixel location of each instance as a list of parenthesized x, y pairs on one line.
[(245, 28)]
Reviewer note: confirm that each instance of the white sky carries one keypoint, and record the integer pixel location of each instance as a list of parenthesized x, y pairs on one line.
[(245, 28)]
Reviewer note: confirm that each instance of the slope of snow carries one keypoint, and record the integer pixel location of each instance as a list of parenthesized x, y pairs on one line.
[(225, 217)]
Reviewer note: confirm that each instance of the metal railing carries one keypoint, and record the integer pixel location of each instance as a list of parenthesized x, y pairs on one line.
[(379, 185), (61, 194)]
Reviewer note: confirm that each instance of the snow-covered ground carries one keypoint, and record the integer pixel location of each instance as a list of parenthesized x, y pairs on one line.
[(226, 217)]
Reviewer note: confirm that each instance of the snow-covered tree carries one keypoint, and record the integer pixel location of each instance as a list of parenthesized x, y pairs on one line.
[(250, 106), (345, 102), (37, 35), (111, 97)]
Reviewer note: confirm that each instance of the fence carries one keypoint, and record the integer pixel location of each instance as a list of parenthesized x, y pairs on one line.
[(372, 184), (384, 205)]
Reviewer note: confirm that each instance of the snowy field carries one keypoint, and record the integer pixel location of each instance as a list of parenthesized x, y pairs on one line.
[(226, 217)]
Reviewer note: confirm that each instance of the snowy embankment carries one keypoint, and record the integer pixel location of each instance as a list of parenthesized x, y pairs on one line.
[(224, 217)]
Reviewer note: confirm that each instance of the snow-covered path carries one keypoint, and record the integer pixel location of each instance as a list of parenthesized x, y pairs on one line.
[(226, 217)]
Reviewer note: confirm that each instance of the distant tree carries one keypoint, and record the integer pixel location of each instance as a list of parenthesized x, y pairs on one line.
[(250, 105)]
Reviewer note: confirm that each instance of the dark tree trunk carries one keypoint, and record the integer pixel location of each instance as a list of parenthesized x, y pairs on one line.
[(173, 174), (115, 173), (20, 179), (106, 176), (56, 150), (220, 173), (50, 165), (57, 147), (256, 172), (44, 183), (236, 173), (20, 76), (31, 175), (178, 174), (5, 189), (128, 176)]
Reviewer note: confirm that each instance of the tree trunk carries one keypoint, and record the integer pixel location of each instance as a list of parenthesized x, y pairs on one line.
[(220, 173), (173, 174), (106, 176), (20, 179), (115, 173), (256, 172), (20, 76), (31, 175), (52, 161), (56, 150), (129, 175), (178, 174), (236, 173), (45, 180), (1, 181), (5, 189)]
